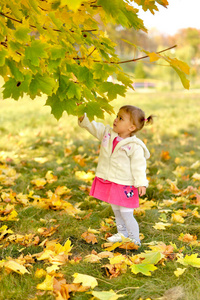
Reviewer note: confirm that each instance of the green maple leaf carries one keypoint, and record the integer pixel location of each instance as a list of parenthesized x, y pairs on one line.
[(58, 106), (57, 52), (22, 34), (42, 83), (14, 70), (99, 72), (36, 51), (3, 54), (15, 89), (151, 257), (86, 76), (92, 109), (145, 269), (112, 89), (74, 90)]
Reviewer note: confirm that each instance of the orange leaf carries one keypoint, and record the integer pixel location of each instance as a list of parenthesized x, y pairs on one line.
[(89, 237)]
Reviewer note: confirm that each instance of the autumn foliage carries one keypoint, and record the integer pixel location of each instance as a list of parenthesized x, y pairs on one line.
[(57, 48)]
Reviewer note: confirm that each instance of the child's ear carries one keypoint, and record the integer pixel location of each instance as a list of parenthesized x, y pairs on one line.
[(132, 128)]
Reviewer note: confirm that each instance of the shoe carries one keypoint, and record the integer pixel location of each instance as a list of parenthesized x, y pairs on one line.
[(116, 238), (135, 242)]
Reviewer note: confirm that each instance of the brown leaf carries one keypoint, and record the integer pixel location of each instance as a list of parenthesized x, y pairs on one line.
[(89, 237)]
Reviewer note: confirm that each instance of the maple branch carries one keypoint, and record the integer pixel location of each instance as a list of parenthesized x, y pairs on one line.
[(45, 28), (136, 59), (142, 57)]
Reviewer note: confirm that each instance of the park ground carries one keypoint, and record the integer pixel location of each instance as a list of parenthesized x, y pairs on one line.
[(53, 234)]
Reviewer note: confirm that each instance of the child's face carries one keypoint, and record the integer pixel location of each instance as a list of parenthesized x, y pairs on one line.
[(123, 125)]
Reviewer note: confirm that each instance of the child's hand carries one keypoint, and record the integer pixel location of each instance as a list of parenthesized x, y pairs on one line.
[(81, 118), (142, 191)]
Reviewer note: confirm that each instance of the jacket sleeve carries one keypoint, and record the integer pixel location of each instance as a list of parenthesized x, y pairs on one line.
[(138, 167), (95, 128)]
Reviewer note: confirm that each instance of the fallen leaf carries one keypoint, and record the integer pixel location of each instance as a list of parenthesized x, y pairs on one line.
[(47, 284), (89, 237), (161, 225), (179, 271), (86, 280), (16, 267), (107, 295), (145, 269)]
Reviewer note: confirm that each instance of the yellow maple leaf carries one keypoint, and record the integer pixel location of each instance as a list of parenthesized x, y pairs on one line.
[(179, 271), (39, 273), (161, 225), (16, 267), (47, 284), (177, 218), (63, 249), (85, 176), (73, 5), (108, 295), (196, 176), (50, 177), (191, 260), (153, 56), (179, 171), (39, 182), (86, 280), (4, 231)]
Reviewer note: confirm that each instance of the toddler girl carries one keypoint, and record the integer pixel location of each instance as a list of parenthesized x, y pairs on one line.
[(121, 171)]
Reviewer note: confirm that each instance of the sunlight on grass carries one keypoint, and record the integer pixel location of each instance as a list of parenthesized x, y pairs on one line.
[(44, 164)]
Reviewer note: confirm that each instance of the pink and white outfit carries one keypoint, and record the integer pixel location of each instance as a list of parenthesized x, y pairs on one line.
[(115, 193), (121, 169)]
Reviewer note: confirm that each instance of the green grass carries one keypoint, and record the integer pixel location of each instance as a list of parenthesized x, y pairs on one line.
[(32, 142)]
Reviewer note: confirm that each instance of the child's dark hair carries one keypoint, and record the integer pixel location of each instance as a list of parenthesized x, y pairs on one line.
[(137, 116)]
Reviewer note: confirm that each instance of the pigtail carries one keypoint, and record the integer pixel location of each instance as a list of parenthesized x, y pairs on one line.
[(149, 120)]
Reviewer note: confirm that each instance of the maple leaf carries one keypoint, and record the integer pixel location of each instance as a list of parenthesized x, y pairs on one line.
[(89, 237), (4, 231), (151, 257), (145, 269), (107, 295), (165, 155), (50, 177), (196, 176), (47, 284), (39, 182), (177, 218), (86, 280), (12, 265), (191, 260), (161, 225), (89, 176), (179, 271)]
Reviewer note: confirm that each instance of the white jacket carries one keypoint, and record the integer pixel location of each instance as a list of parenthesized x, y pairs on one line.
[(127, 164)]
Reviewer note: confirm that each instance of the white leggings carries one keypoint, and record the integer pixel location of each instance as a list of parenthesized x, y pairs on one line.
[(125, 221)]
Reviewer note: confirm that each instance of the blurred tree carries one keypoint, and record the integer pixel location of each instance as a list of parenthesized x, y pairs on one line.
[(140, 71)]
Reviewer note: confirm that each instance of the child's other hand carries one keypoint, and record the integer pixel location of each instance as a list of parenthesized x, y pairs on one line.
[(142, 191)]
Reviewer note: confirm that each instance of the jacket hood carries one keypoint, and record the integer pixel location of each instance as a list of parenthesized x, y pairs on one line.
[(133, 139)]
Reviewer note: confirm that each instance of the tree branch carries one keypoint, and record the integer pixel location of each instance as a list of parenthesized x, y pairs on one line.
[(134, 59), (45, 28)]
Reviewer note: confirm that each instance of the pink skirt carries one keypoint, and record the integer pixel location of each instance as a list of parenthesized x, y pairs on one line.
[(113, 193)]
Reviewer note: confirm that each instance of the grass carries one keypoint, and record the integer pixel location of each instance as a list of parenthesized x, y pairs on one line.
[(33, 142)]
